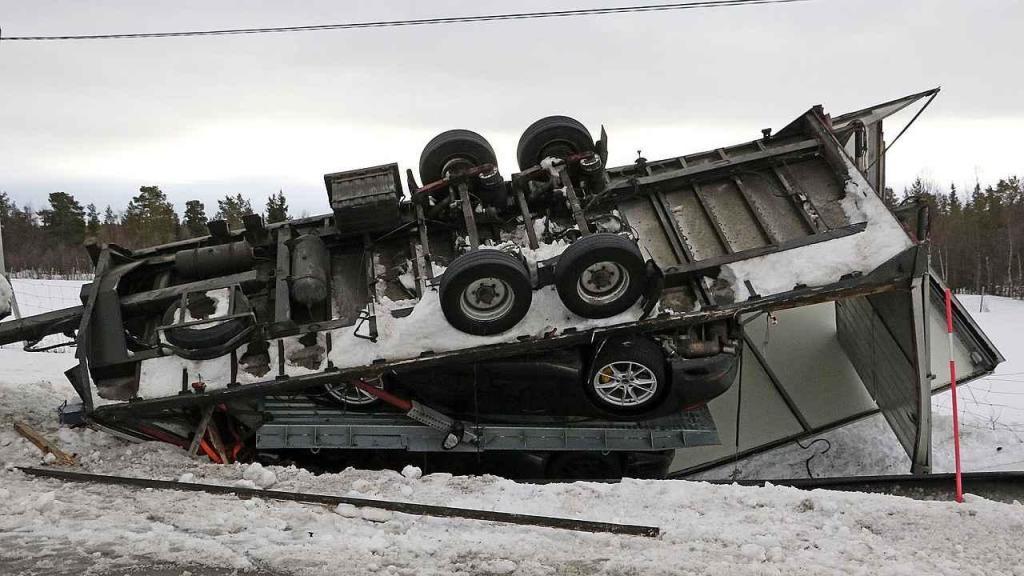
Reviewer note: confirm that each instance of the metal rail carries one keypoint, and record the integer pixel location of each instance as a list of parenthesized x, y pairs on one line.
[(331, 500)]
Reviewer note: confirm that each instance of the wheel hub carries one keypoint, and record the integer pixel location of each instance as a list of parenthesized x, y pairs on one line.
[(603, 282), (625, 384), (486, 294), (352, 395), (601, 278), (487, 299)]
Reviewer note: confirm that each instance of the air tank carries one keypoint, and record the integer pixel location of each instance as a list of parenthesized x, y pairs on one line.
[(209, 261), (310, 265)]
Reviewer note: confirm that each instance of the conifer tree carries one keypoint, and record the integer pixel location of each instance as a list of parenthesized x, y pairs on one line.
[(277, 208)]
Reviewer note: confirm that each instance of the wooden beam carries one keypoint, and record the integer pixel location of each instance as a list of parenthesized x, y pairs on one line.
[(47, 447), (200, 431)]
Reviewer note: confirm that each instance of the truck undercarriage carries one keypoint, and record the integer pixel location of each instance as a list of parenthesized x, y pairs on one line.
[(571, 307)]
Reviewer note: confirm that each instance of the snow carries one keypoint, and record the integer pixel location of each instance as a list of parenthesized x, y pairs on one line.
[(826, 262), (259, 476), (707, 529)]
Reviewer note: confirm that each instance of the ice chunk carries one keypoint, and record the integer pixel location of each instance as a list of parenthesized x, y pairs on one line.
[(259, 475), (412, 472), (375, 514), (347, 510)]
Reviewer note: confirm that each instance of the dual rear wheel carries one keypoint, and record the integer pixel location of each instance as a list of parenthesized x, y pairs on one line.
[(486, 292)]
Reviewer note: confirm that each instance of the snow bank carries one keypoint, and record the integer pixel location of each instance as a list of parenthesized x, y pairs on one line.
[(6, 296), (707, 529)]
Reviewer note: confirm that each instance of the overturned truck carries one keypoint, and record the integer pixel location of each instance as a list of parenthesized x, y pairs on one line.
[(571, 307)]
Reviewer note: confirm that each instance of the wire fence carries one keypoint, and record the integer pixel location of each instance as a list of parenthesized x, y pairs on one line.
[(39, 295)]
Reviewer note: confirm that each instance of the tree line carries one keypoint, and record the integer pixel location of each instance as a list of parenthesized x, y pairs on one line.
[(976, 237), (50, 239)]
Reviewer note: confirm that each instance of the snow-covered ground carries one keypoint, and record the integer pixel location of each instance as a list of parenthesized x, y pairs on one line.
[(51, 528)]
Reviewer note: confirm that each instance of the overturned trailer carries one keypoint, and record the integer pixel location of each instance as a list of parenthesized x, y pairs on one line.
[(572, 307)]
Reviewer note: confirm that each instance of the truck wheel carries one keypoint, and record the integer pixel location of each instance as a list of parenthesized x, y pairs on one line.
[(352, 396), (600, 275), (628, 377), (201, 339), (452, 151), (557, 136), (485, 292)]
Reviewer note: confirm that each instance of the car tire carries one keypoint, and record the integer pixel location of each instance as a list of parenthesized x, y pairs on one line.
[(600, 275), (463, 145), (557, 136), (628, 377), (485, 292)]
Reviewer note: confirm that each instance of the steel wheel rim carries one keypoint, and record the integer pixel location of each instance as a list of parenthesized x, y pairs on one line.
[(603, 282), (487, 299), (625, 384), (353, 395)]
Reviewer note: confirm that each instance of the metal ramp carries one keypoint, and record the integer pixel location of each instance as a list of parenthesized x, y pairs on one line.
[(306, 425)]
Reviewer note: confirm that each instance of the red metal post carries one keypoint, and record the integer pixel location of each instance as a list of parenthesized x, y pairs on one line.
[(952, 390)]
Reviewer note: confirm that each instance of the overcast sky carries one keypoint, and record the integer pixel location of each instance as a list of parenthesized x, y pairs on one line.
[(201, 117)]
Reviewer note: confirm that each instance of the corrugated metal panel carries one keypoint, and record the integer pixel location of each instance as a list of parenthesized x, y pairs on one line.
[(884, 368)]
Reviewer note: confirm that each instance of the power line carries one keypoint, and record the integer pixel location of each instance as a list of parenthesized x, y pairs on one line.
[(419, 22)]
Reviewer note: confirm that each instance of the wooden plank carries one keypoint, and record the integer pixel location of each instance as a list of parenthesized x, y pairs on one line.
[(47, 447), (218, 444), (200, 431)]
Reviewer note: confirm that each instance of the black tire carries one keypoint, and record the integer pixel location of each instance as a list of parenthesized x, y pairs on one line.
[(464, 145), (469, 312), (585, 466), (558, 136), (600, 275), (200, 339), (636, 361)]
